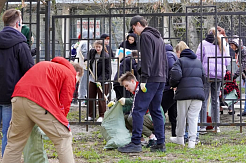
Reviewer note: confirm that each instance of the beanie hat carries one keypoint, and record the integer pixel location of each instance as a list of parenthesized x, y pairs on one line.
[(104, 36)]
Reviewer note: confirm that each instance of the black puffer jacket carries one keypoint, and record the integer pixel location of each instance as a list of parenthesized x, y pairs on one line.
[(104, 56), (15, 61), (188, 76)]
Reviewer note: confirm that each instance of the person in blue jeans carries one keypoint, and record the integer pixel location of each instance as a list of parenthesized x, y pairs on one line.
[(153, 76), (15, 61)]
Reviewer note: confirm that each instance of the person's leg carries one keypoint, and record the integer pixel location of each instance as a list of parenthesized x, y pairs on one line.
[(182, 109), (155, 111), (102, 103), (215, 100), (6, 117), (55, 130), (172, 114), (192, 117), (167, 100), (83, 86), (118, 91), (92, 95), (19, 131), (204, 104)]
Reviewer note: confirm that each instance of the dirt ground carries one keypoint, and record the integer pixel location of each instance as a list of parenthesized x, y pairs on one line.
[(79, 131)]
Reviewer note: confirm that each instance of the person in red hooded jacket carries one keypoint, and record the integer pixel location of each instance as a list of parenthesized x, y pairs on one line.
[(43, 97)]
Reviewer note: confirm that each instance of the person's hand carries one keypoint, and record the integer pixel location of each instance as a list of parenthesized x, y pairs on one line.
[(221, 31), (122, 101), (111, 103), (85, 65), (143, 88), (220, 93), (98, 84), (74, 53)]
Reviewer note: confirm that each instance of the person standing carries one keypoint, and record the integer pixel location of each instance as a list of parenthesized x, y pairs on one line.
[(15, 60), (45, 100), (153, 77)]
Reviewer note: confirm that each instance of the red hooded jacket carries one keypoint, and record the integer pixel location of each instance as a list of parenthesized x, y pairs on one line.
[(50, 85)]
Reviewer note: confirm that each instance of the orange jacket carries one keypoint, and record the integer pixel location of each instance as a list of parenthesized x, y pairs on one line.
[(50, 85)]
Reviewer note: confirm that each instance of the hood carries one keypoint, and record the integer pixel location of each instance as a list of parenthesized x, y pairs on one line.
[(154, 31), (235, 41), (64, 62), (10, 37), (168, 47), (132, 35), (188, 53)]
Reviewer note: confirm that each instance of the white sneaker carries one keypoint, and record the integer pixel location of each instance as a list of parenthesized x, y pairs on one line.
[(191, 144), (177, 140), (100, 119), (218, 129), (203, 131), (89, 119)]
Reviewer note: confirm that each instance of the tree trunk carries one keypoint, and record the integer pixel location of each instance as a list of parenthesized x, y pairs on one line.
[(2, 3)]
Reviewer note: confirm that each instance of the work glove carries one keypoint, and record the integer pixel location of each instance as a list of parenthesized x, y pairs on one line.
[(122, 101), (143, 88), (85, 65), (98, 84), (111, 103)]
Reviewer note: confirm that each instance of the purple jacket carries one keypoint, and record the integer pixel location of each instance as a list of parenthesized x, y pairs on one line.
[(208, 50)]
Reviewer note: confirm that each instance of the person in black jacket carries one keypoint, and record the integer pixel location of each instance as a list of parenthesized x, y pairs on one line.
[(153, 77), (168, 103), (130, 42), (188, 76), (106, 44), (15, 60), (99, 68), (130, 64)]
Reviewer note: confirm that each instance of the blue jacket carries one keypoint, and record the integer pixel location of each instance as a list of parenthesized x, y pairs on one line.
[(15, 61), (172, 58), (188, 76)]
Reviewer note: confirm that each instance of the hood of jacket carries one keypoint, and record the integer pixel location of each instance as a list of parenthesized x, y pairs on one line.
[(10, 37), (64, 62), (132, 35), (153, 31), (168, 47), (188, 53)]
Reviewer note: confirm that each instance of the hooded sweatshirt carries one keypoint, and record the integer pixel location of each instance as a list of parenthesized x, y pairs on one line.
[(154, 66), (52, 88), (188, 76), (15, 60), (129, 46)]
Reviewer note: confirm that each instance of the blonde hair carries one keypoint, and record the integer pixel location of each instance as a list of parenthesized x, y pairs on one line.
[(181, 46), (212, 30), (128, 76)]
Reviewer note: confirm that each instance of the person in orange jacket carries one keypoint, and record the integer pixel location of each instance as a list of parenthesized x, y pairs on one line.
[(45, 100)]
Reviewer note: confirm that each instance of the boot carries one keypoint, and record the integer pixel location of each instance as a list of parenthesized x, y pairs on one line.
[(178, 140), (191, 144)]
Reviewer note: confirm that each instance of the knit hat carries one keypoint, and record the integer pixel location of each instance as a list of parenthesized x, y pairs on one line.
[(104, 36)]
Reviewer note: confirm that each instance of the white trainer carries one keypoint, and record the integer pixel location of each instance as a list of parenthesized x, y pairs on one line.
[(100, 119), (89, 119), (191, 144), (177, 140)]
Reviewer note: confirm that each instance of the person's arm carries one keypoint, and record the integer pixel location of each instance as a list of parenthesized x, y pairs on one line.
[(66, 92), (25, 58), (175, 74), (198, 52), (146, 57)]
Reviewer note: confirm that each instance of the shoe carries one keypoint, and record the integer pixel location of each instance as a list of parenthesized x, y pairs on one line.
[(100, 119), (221, 112), (151, 143), (177, 140), (230, 113), (243, 114), (191, 144), (130, 148), (218, 129), (89, 119), (202, 131), (158, 148)]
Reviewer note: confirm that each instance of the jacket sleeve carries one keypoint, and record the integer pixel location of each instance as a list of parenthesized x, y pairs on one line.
[(198, 52), (25, 58), (66, 93), (146, 57), (107, 70), (243, 61), (175, 74)]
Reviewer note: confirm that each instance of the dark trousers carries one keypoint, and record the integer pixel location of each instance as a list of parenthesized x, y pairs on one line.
[(142, 102), (170, 105), (119, 90), (93, 92)]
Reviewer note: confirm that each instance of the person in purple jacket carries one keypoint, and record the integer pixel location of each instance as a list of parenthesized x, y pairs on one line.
[(15, 60), (207, 52)]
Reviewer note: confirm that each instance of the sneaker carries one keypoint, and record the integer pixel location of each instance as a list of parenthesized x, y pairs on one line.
[(89, 119), (218, 129), (243, 114), (177, 140), (130, 148), (202, 131), (151, 143), (191, 144), (100, 119), (158, 148)]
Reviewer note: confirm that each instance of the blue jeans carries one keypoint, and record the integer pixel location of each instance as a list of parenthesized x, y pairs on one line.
[(142, 102), (5, 116)]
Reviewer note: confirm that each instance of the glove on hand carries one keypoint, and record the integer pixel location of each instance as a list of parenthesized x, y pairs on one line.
[(143, 88), (111, 103), (122, 101), (98, 84), (74, 53)]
